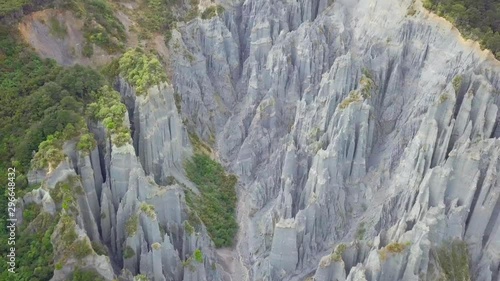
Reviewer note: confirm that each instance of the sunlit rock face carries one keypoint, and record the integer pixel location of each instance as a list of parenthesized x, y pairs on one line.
[(124, 201), (349, 122)]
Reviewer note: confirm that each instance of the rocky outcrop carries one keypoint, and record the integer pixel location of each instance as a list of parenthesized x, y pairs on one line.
[(160, 138), (365, 139), (352, 120), (119, 203)]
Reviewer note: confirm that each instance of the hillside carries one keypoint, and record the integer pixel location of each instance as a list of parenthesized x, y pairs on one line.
[(478, 20)]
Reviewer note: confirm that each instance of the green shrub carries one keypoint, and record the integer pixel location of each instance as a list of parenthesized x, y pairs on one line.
[(141, 277), (99, 248), (87, 143), (188, 227), (56, 28), (360, 232), (141, 70), (88, 49), (396, 247), (156, 246), (101, 27), (81, 249), (157, 16), (457, 83), (128, 253), (131, 225), (189, 264), (111, 70), (38, 99), (339, 251), (216, 204), (193, 12), (9, 6), (198, 256), (50, 152), (86, 275), (149, 210), (477, 20), (111, 112), (178, 102), (68, 233), (353, 96), (443, 98)]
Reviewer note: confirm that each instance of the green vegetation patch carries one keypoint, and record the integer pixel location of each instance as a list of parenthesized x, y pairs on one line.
[(86, 275), (360, 232), (155, 16), (336, 256), (200, 147), (87, 143), (212, 11), (188, 263), (57, 29), (131, 225), (70, 245), (39, 98), (149, 210), (128, 252), (367, 85), (392, 248), (99, 248), (141, 277), (193, 12), (198, 256), (444, 97), (50, 153), (34, 249), (476, 20), (9, 6), (81, 249), (111, 112), (188, 227), (156, 246), (353, 96), (453, 258), (141, 70), (216, 204), (457, 83), (101, 27)]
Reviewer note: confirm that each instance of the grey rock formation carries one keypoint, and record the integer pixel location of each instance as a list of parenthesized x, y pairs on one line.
[(364, 139), (120, 205), (346, 119)]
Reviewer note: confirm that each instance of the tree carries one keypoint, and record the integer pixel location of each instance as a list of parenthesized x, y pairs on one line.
[(493, 43)]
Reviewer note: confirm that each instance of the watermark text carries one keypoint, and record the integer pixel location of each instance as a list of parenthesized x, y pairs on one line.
[(11, 220)]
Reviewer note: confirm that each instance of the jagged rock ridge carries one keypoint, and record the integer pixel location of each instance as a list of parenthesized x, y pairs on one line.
[(348, 121)]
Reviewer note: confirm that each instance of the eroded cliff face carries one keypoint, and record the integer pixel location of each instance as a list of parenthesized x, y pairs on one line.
[(365, 138), (129, 200), (349, 122)]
